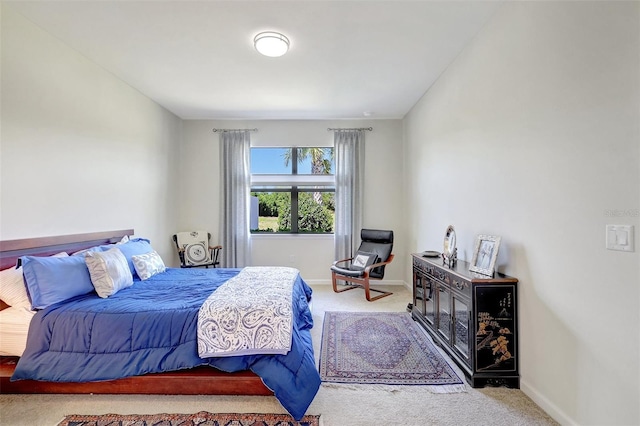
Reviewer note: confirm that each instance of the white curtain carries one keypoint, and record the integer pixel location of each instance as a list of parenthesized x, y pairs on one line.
[(349, 155), (235, 149)]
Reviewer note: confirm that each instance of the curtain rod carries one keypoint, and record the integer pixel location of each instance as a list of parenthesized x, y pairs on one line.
[(357, 128), (234, 130)]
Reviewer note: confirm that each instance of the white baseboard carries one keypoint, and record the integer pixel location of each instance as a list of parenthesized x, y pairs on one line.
[(549, 407)]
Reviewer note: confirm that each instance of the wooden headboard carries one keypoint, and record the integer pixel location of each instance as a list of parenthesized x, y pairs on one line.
[(11, 250)]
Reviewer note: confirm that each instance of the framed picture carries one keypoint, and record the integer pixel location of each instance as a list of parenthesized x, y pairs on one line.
[(485, 254)]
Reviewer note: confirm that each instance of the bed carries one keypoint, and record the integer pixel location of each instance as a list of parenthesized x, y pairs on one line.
[(54, 363)]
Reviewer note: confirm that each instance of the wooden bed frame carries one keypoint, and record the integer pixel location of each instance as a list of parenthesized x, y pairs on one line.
[(197, 381)]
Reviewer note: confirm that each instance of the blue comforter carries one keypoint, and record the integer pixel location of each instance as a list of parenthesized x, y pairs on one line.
[(151, 327)]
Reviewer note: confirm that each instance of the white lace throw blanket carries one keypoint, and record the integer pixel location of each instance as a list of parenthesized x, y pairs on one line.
[(249, 314)]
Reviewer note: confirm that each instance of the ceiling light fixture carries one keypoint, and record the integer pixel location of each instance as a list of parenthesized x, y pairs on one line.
[(270, 43)]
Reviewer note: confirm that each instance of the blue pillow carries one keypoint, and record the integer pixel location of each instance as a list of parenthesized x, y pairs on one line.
[(52, 280), (132, 248)]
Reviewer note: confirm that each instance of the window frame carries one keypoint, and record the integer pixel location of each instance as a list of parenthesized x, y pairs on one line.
[(294, 184)]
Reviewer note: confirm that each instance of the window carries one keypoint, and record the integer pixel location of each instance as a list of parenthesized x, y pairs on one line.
[(292, 190)]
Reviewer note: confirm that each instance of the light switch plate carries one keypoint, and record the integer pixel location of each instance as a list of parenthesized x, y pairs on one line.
[(619, 237)]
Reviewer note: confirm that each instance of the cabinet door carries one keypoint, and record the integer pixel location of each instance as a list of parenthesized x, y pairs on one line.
[(444, 312), (429, 301), (423, 299), (418, 292), (461, 317), (496, 345)]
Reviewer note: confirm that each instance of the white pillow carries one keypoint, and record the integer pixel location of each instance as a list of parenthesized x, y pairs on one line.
[(13, 290), (148, 264), (109, 271), (14, 326)]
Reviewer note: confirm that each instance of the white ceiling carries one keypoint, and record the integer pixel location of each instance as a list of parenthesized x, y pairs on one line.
[(196, 58)]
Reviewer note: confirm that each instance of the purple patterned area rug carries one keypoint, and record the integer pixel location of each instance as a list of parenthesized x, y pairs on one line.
[(381, 348), (202, 418)]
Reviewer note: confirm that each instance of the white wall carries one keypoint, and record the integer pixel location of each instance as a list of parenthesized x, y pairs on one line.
[(80, 150), (533, 134), (313, 254)]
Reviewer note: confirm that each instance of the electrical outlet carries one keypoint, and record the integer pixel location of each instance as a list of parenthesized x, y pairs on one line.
[(619, 237), (292, 258)]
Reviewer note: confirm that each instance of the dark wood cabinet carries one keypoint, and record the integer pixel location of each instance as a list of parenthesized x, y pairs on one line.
[(472, 317)]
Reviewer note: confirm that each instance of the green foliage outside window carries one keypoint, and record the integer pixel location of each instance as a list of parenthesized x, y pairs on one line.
[(314, 217), (270, 203)]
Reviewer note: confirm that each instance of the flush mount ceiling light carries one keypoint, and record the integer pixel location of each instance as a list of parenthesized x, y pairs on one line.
[(272, 44)]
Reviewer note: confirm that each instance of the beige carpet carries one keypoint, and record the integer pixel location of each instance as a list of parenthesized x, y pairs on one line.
[(339, 405)]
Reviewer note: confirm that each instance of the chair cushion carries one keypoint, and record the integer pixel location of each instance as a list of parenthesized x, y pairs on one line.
[(347, 272), (376, 236), (362, 259), (196, 247), (197, 254), (382, 250)]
